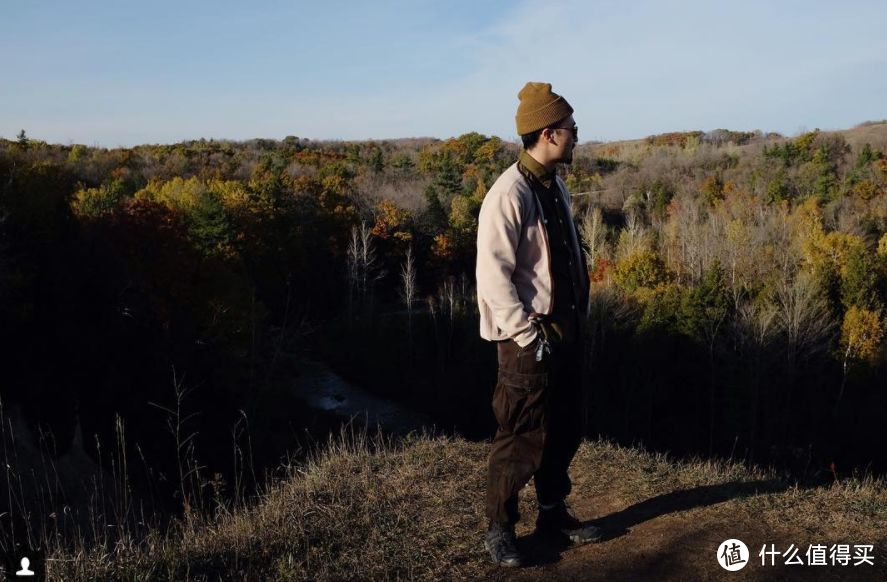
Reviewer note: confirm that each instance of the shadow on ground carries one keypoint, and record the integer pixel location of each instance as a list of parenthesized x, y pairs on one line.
[(542, 551)]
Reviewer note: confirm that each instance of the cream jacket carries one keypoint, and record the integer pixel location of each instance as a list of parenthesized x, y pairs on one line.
[(513, 258)]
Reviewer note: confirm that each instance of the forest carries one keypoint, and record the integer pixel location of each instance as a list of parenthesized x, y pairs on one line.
[(738, 304)]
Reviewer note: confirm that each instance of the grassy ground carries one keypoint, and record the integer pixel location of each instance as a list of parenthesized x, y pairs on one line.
[(370, 509)]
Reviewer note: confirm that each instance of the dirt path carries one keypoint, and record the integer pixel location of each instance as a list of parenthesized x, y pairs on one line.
[(659, 540)]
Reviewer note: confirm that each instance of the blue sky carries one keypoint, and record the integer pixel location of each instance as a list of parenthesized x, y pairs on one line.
[(121, 73)]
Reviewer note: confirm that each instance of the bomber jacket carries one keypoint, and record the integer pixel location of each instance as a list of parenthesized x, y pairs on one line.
[(514, 259)]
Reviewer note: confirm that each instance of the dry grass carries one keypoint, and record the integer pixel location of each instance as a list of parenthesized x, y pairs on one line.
[(367, 508), (848, 508)]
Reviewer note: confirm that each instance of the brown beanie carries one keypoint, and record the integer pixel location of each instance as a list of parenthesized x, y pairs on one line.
[(539, 107)]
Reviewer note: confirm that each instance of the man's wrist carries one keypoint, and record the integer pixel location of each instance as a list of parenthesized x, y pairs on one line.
[(527, 337)]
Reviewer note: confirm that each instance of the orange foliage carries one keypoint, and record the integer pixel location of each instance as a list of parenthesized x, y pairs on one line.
[(390, 221), (602, 268), (674, 138), (316, 157)]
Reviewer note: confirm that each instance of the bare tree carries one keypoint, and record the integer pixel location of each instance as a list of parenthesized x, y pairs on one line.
[(363, 265), (408, 281), (635, 237), (804, 316), (685, 236), (447, 298), (806, 321), (594, 234)]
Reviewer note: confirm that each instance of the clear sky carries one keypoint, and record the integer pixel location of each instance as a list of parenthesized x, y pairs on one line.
[(119, 72)]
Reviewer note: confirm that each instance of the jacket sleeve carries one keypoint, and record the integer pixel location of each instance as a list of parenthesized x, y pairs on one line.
[(498, 234)]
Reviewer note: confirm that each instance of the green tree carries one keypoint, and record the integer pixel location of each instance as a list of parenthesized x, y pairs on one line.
[(435, 217), (208, 224), (95, 202), (860, 278), (376, 162), (867, 156), (448, 179)]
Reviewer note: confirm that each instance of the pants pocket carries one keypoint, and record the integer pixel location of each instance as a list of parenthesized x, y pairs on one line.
[(524, 382), (519, 401)]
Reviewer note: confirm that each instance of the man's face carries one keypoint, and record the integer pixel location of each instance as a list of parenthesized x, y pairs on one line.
[(565, 137)]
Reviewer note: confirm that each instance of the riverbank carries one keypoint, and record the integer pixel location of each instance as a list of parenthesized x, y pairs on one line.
[(374, 508), (324, 390)]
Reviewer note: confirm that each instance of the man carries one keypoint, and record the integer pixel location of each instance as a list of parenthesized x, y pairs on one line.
[(532, 286)]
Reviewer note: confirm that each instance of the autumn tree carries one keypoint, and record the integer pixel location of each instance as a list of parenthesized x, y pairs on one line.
[(641, 269), (862, 334)]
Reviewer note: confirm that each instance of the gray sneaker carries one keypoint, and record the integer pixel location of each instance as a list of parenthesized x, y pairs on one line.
[(559, 522), (501, 542)]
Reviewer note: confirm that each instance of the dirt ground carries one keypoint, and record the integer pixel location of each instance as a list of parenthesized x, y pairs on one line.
[(676, 537)]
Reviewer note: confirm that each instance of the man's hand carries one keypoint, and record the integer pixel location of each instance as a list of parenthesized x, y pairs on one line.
[(549, 330)]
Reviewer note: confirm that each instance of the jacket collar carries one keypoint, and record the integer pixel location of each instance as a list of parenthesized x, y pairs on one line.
[(535, 169)]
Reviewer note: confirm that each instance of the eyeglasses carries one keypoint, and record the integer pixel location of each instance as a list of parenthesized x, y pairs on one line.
[(574, 129)]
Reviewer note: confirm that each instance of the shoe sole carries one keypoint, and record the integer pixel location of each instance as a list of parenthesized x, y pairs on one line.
[(579, 540), (574, 539)]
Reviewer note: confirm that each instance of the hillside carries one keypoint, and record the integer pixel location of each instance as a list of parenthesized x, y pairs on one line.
[(738, 309), (368, 509)]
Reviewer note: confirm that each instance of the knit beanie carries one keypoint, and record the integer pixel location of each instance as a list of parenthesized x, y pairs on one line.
[(539, 108)]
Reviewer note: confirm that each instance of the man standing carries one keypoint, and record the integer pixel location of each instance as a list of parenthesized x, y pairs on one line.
[(532, 286)]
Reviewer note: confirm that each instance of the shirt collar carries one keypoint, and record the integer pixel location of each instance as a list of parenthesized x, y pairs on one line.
[(538, 171)]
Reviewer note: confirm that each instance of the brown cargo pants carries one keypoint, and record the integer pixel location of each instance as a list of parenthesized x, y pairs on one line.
[(539, 409)]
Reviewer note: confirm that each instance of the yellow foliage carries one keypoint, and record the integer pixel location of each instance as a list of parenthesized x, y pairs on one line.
[(808, 219), (93, 202), (805, 142), (403, 236), (183, 195), (640, 269), (837, 247), (336, 185), (648, 294), (882, 246), (463, 211), (737, 233), (862, 334), (176, 194), (480, 191), (489, 151), (865, 189), (712, 188), (232, 193), (821, 248)]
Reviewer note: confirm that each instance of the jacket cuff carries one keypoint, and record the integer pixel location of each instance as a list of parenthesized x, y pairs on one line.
[(526, 337)]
